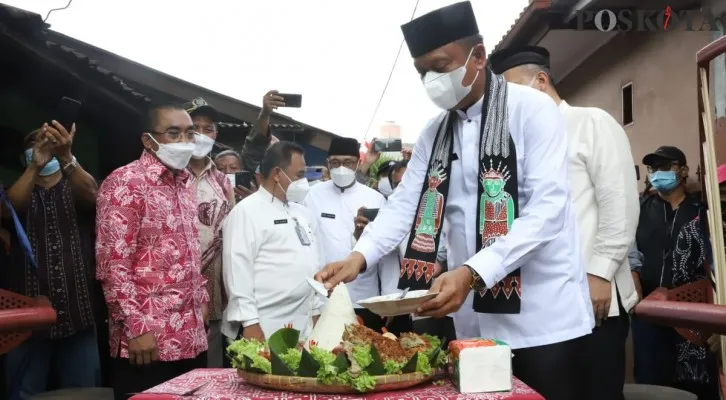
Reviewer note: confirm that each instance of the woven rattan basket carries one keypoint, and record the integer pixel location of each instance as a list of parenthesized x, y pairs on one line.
[(384, 383)]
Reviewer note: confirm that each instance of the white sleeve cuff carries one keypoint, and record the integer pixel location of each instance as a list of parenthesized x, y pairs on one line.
[(251, 322), (241, 311), (369, 251), (489, 267), (602, 266)]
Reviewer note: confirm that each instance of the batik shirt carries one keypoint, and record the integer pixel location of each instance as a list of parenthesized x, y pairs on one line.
[(148, 259), (61, 235), (693, 363), (214, 200)]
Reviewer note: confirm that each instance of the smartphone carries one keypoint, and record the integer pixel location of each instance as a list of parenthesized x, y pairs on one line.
[(67, 112), (292, 100), (370, 213), (244, 178), (386, 145)]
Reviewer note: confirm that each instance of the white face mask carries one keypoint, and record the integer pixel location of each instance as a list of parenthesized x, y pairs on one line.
[(342, 177), (174, 155), (203, 144), (384, 186), (297, 190), (446, 89)]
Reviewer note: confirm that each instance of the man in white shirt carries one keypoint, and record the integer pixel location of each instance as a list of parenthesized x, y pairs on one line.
[(269, 249), (604, 190), (335, 204), (494, 166)]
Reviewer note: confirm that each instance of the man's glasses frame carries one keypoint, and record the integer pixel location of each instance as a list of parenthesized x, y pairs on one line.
[(176, 135)]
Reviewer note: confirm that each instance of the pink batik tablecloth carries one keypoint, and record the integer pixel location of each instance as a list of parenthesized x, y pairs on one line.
[(224, 384)]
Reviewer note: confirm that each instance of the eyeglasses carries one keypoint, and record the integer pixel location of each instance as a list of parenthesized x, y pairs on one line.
[(176, 135), (662, 167), (208, 129), (347, 163)]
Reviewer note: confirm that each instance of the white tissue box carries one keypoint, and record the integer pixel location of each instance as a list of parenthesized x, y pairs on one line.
[(481, 365)]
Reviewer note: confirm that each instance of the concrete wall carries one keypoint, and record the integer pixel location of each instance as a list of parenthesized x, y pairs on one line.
[(662, 68)]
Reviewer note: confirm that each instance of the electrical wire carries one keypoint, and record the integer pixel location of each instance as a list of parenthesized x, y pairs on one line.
[(57, 9), (395, 61)]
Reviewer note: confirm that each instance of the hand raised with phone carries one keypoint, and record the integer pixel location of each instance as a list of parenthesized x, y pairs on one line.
[(271, 101), (61, 139)]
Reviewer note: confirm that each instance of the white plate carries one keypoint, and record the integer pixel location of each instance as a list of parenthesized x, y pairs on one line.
[(390, 305), (318, 287)]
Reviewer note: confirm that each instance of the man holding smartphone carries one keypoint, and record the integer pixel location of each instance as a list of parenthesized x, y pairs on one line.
[(335, 204)]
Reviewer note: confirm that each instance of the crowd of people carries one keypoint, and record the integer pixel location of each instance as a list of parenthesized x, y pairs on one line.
[(519, 210)]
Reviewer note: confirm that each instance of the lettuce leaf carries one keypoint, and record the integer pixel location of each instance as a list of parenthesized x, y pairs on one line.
[(361, 383), (422, 364), (292, 358), (392, 367), (362, 355), (434, 342), (330, 365), (245, 354)]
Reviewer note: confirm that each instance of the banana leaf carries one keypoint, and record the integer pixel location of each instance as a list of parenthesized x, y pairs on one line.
[(283, 340), (410, 366), (308, 366), (278, 366), (341, 362), (433, 357), (376, 367)]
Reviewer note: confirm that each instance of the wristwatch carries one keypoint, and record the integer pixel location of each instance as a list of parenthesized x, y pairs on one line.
[(70, 167), (477, 284)]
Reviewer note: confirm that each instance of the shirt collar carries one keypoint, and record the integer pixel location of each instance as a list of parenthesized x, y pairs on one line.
[(564, 106), (156, 171), (209, 168), (268, 197), (472, 112)]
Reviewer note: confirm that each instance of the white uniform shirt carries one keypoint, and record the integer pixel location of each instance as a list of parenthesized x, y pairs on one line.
[(265, 266), (604, 190), (543, 241), (335, 212)]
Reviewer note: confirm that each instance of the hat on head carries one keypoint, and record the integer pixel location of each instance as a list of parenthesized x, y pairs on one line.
[(341, 146), (439, 28), (721, 173), (665, 153), (199, 106), (506, 59)]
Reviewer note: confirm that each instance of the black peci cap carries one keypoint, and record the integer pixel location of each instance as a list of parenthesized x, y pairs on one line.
[(439, 28), (341, 146), (506, 59)]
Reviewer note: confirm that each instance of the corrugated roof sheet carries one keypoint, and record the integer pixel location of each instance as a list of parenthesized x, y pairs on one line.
[(29, 28)]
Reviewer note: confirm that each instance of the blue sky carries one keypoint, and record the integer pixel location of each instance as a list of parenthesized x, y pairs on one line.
[(338, 54)]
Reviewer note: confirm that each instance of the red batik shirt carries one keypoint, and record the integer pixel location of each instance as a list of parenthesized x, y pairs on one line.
[(148, 259)]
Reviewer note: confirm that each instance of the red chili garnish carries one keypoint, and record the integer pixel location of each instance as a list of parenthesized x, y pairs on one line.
[(312, 343), (288, 326)]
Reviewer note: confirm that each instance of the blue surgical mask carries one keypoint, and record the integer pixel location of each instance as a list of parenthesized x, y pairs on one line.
[(664, 181), (51, 168)]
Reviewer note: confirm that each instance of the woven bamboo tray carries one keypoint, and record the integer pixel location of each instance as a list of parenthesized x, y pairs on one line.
[(384, 383)]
